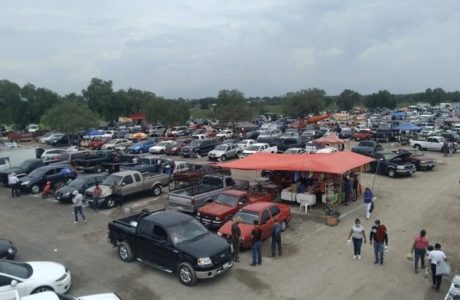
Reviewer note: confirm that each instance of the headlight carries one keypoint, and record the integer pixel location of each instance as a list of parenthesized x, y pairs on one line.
[(217, 219), (423, 161), (204, 261), (400, 167), (219, 233), (10, 250), (242, 238), (198, 214), (174, 149), (25, 183), (67, 194), (62, 277)]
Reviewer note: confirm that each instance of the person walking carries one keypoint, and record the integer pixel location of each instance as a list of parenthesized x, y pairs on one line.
[(117, 195), (77, 201), (358, 235), (276, 239), (236, 238), (96, 195), (13, 182), (451, 148), (445, 148), (379, 237), (256, 245), (368, 197), (419, 248), (435, 257)]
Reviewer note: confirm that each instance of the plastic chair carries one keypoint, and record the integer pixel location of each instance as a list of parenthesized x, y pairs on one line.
[(304, 204)]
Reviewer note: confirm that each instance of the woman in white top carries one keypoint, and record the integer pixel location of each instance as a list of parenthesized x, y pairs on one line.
[(435, 257), (358, 235)]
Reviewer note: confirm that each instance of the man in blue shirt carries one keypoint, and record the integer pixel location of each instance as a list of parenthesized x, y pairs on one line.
[(276, 239)]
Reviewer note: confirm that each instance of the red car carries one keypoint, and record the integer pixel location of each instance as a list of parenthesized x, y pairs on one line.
[(266, 213), (176, 147), (226, 205), (96, 144), (362, 134)]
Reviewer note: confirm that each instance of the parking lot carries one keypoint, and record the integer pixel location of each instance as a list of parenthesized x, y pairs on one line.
[(316, 262)]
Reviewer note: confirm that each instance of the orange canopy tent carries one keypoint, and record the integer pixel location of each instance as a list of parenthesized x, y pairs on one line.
[(331, 139), (334, 163)]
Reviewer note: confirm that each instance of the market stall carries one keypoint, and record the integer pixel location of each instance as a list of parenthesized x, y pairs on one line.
[(305, 178)]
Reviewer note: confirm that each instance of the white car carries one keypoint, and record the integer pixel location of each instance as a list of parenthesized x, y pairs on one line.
[(294, 151), (33, 277), (117, 144), (259, 147), (245, 143), (327, 150), (225, 134), (52, 154), (50, 136), (311, 147), (160, 147), (54, 296)]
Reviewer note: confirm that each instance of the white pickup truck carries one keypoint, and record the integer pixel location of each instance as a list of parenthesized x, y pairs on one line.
[(434, 143), (259, 147)]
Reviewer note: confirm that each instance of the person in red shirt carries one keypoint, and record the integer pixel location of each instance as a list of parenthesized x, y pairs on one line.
[(419, 249)]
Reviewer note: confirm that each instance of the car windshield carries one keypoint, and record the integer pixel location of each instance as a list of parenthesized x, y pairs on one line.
[(186, 231), (174, 144), (111, 180), (253, 148), (16, 269), (389, 156), (163, 143), (37, 172), (227, 200), (247, 216), (195, 144), (221, 148), (144, 161), (78, 182)]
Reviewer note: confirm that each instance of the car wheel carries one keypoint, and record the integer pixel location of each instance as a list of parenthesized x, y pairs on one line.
[(156, 190), (162, 151), (418, 147), (223, 158), (124, 252), (35, 189), (391, 172), (141, 151), (186, 274), (42, 289), (197, 155), (283, 226), (110, 203)]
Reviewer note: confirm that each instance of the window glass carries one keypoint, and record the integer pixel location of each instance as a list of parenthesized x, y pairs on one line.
[(127, 180), (146, 228), (265, 216), (274, 210), (5, 281), (137, 177), (159, 233)]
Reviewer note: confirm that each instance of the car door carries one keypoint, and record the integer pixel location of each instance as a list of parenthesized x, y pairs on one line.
[(232, 150), (127, 185), (266, 224), (5, 285)]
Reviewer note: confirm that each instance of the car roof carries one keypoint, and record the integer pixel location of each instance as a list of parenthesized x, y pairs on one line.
[(124, 173), (168, 218), (54, 166), (258, 206)]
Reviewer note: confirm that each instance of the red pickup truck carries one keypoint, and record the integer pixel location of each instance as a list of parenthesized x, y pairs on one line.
[(362, 134), (226, 205)]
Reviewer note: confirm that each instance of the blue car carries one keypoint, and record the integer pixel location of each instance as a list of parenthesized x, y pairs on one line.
[(141, 147)]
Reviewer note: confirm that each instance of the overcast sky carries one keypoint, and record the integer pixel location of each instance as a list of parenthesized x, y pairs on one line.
[(189, 49)]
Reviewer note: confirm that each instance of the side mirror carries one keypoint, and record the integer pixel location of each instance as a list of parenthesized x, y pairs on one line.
[(14, 283), (123, 184), (240, 203)]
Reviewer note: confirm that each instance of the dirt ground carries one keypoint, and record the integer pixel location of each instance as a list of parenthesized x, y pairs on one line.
[(316, 264)]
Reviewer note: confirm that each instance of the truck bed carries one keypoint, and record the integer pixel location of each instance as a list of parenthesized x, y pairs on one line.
[(196, 190)]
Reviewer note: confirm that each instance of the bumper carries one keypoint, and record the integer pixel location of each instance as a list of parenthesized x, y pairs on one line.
[(209, 223), (214, 272), (427, 166), (64, 285), (63, 198), (405, 171)]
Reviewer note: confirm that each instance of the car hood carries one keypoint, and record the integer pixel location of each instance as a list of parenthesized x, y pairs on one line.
[(402, 156), (16, 170), (206, 246), (68, 189), (215, 209), (105, 296), (46, 271), (245, 229), (29, 178), (106, 190)]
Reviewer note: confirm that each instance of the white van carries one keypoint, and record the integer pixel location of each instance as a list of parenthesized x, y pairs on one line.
[(33, 128)]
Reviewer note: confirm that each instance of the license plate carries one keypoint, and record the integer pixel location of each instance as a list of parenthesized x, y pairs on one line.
[(226, 266)]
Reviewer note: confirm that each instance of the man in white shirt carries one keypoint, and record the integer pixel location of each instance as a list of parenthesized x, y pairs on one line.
[(435, 257), (13, 182)]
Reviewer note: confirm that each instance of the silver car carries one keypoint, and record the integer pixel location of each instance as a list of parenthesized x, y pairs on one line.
[(224, 152)]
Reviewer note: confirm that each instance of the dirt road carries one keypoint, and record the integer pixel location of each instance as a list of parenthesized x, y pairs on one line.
[(316, 264)]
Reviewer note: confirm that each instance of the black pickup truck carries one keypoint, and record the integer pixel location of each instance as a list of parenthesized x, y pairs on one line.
[(392, 164), (368, 148), (173, 242), (93, 161)]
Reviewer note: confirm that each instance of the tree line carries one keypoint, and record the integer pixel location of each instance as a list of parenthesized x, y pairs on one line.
[(28, 104)]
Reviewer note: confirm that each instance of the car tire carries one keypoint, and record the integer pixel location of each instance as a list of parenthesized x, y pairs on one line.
[(99, 169), (391, 172), (124, 252), (418, 147), (283, 226), (42, 289), (186, 274), (156, 190), (223, 158), (141, 151), (197, 155), (110, 202), (35, 189)]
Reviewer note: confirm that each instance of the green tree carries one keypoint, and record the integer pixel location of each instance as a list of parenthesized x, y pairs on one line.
[(438, 96), (382, 99), (100, 98), (231, 106), (167, 112), (137, 100), (70, 117), (39, 100), (304, 102), (14, 108), (347, 99)]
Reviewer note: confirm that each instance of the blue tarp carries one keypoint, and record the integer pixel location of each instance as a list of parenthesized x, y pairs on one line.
[(398, 113), (407, 126), (93, 132)]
